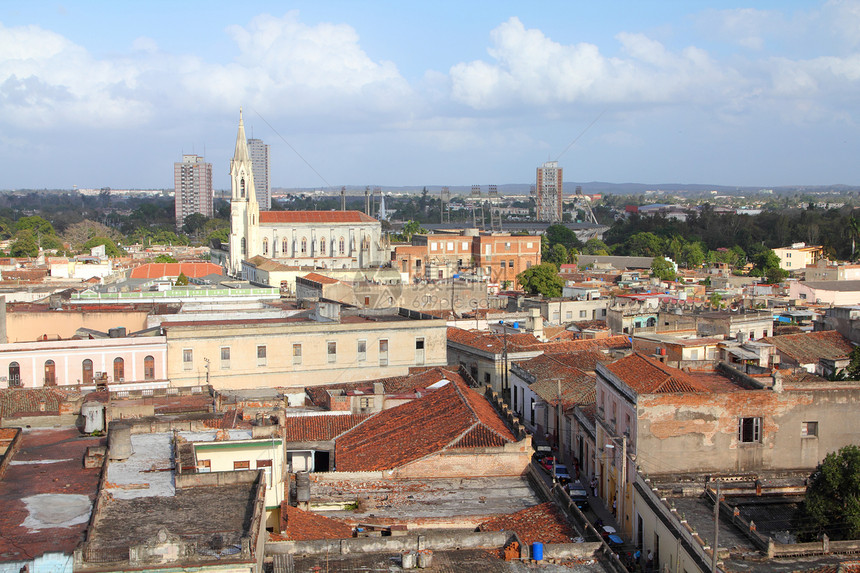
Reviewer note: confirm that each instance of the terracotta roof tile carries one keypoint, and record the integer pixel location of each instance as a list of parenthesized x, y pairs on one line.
[(319, 427), (16, 402), (808, 348), (495, 343), (322, 279), (542, 523), (648, 376), (553, 376), (392, 385), (190, 270), (320, 217), (300, 525), (438, 421)]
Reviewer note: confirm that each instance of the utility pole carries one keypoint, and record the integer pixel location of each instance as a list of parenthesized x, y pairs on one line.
[(716, 530)]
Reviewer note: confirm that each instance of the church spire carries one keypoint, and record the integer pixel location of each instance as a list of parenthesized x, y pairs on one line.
[(241, 153)]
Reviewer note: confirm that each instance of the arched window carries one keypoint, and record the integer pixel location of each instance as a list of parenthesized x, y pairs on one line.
[(50, 373), (304, 245), (365, 244), (322, 247), (243, 245), (118, 369), (149, 368), (87, 371), (285, 247), (242, 187), (265, 246), (341, 246), (651, 321), (14, 374)]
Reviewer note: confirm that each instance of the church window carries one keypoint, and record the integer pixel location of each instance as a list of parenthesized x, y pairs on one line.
[(304, 246), (242, 187), (342, 246), (285, 246), (322, 247), (265, 246), (243, 245)]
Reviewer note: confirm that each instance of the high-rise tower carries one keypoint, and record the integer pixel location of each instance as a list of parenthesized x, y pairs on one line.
[(549, 192), (259, 153), (192, 183)]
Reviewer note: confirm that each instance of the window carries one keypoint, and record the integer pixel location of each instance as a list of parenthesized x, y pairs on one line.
[(225, 357), (419, 351), (532, 411), (465, 246), (365, 403), (204, 466), (265, 246), (118, 369), (450, 245), (362, 350), (511, 264), (341, 246), (187, 359), (50, 373), (487, 380), (244, 245), (322, 247), (809, 430), (529, 245), (304, 245), (242, 465), (15, 374), (749, 430), (149, 368), (285, 246), (332, 351), (433, 246), (86, 371), (297, 353), (383, 352), (261, 355), (568, 315)]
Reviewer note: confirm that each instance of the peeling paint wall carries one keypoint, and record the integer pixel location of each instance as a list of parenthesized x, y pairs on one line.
[(699, 432)]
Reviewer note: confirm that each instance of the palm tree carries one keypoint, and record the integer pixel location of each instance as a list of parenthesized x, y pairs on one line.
[(853, 232)]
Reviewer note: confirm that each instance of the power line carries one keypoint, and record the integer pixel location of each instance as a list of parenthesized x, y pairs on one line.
[(294, 149), (578, 136)]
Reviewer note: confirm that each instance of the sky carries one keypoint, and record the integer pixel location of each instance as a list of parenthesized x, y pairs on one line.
[(392, 93)]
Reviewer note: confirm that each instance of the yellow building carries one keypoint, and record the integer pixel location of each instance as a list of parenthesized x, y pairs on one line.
[(797, 256), (252, 455), (324, 348)]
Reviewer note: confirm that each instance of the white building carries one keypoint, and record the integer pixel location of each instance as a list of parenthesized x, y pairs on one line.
[(260, 165)]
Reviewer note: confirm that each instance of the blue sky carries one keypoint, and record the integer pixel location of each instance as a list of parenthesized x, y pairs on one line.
[(101, 94)]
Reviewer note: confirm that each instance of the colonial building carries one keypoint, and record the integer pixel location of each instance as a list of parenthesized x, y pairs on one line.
[(320, 239)]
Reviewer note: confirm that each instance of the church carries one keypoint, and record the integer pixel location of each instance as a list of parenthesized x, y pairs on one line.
[(319, 239)]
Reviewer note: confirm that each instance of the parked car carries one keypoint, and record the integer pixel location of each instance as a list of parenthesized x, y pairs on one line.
[(561, 474), (579, 496), (547, 463)]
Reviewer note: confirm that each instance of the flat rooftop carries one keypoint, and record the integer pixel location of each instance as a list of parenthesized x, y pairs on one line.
[(426, 503), (46, 496)]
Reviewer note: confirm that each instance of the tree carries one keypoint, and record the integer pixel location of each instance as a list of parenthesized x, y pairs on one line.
[(111, 249), (595, 247), (163, 259), (692, 255), (852, 371), (542, 279), (557, 255), (79, 233), (181, 280), (645, 244), (662, 269), (37, 224), (193, 223), (832, 504), (853, 233), (25, 245), (561, 235)]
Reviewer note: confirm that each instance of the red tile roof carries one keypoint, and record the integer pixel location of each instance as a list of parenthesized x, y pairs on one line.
[(808, 348), (452, 417), (319, 427), (319, 217), (390, 386), (648, 376), (190, 270), (542, 523), (520, 342), (16, 402), (555, 379), (300, 525), (322, 279)]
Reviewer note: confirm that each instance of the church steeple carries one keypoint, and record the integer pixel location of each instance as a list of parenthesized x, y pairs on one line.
[(244, 210), (241, 153)]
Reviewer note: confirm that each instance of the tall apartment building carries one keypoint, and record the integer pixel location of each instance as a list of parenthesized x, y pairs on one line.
[(192, 181), (259, 153), (549, 192)]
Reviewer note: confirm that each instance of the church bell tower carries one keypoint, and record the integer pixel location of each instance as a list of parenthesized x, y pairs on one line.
[(244, 210)]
